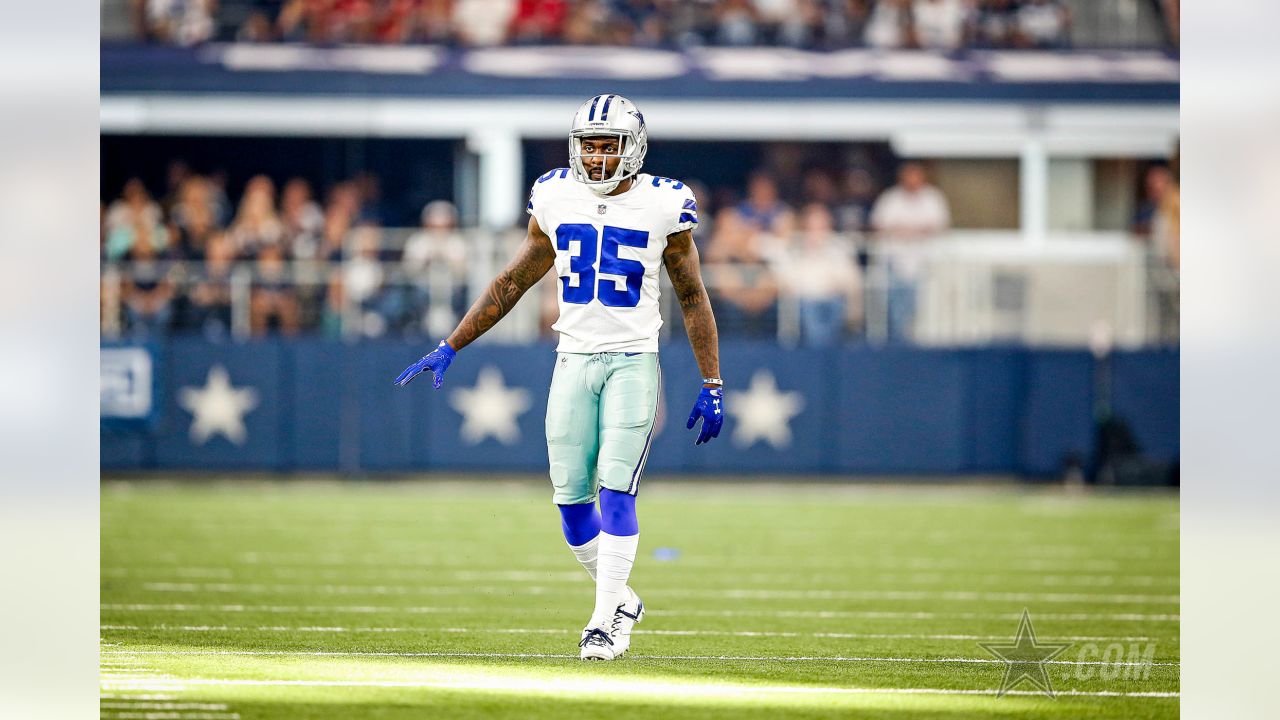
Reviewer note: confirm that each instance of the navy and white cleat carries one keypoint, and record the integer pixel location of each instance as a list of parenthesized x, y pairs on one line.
[(596, 645), (630, 612)]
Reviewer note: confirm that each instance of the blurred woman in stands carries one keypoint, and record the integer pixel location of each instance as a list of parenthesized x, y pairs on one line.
[(132, 218), (820, 272), (209, 297), (192, 220), (741, 285), (257, 225)]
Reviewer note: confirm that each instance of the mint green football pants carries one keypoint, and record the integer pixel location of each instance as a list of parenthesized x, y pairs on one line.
[(600, 418)]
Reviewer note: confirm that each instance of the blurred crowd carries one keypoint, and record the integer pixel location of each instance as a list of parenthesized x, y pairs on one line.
[(320, 264), (932, 24), (306, 262), (792, 254)]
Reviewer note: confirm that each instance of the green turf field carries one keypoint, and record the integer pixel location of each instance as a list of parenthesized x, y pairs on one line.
[(460, 600)]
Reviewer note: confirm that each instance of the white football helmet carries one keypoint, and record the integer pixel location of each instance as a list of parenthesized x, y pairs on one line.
[(605, 115)]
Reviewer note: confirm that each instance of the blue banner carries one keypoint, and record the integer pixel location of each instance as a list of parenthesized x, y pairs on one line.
[(315, 405), (427, 71)]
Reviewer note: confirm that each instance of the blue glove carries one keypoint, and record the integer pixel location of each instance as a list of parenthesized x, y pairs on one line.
[(437, 361), (709, 408)]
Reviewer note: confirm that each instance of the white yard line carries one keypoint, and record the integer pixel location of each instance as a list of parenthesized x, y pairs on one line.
[(790, 563), (169, 715), (721, 593), (150, 705), (574, 656), (825, 614), (571, 631), (668, 689), (578, 577)]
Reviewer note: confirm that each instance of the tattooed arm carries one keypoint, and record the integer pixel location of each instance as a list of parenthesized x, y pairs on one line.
[(681, 259), (534, 258)]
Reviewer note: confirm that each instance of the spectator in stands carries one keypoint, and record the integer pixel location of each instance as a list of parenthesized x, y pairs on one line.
[(345, 198), (889, 25), (817, 186), (742, 287), (762, 208), (435, 20), (1156, 218), (147, 291), (994, 24), (939, 24), (302, 220), (618, 31), (337, 223), (845, 22), (257, 225), (325, 21), (802, 24), (736, 23), (692, 24), (175, 175), (587, 23), (537, 21), (180, 22), (904, 215), (221, 203), (1043, 24), (853, 212), (272, 302), (649, 20), (192, 219), (393, 21), (911, 210), (134, 218), (435, 262), (370, 208), (256, 28), (480, 23), (363, 290), (820, 272), (209, 297)]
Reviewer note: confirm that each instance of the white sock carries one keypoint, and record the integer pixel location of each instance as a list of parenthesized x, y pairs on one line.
[(586, 554), (615, 557)]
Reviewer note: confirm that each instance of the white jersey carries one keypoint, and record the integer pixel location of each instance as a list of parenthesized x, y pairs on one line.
[(608, 256)]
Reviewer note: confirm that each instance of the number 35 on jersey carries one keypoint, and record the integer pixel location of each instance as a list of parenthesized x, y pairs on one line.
[(609, 256)]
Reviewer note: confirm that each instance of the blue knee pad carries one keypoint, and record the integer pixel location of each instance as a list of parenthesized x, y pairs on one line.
[(581, 523), (618, 513)]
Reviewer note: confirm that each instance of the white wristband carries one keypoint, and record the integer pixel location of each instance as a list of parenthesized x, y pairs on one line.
[(712, 381)]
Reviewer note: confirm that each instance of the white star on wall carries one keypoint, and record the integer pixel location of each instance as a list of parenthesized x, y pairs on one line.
[(218, 407), (761, 412), (490, 408)]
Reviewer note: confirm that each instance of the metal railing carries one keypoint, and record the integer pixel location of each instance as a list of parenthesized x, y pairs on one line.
[(965, 289)]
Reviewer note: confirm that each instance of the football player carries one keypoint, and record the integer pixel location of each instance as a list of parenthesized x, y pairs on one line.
[(607, 229)]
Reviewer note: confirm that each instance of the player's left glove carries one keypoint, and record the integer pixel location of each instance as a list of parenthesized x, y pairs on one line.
[(437, 361), (710, 408)]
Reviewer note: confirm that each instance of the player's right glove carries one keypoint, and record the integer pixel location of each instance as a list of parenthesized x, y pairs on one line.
[(709, 408), (437, 361)]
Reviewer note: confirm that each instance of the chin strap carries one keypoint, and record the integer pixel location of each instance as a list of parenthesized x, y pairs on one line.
[(606, 189)]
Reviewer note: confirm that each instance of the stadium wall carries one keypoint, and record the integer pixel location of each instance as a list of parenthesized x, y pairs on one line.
[(322, 406)]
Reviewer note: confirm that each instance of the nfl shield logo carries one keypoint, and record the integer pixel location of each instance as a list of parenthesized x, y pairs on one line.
[(601, 208)]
